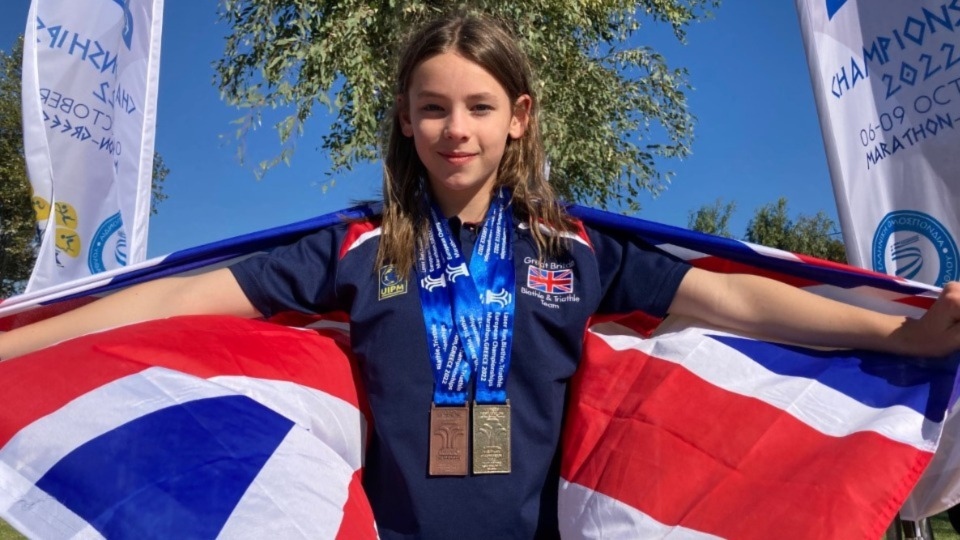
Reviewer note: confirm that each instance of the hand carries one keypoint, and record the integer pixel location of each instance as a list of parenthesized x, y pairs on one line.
[(937, 333)]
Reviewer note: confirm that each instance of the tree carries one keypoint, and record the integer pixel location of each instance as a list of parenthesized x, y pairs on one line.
[(713, 219), (17, 221), (604, 103), (771, 226), (160, 172), (18, 242)]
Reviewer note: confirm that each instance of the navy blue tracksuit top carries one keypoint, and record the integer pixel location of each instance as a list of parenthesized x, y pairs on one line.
[(333, 270)]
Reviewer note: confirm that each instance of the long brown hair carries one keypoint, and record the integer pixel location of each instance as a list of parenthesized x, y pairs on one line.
[(491, 46)]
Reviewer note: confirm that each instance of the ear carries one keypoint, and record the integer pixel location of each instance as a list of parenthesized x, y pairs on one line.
[(403, 112), (521, 116)]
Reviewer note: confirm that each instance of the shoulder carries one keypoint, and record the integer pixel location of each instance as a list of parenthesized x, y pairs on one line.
[(359, 234), (620, 247), (575, 231), (326, 243)]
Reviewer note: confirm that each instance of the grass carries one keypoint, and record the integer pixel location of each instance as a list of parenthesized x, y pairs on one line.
[(9, 533), (942, 530)]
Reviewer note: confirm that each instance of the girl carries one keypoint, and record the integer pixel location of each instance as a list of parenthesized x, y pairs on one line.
[(472, 292)]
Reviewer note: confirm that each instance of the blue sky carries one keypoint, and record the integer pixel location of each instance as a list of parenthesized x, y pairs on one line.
[(756, 139)]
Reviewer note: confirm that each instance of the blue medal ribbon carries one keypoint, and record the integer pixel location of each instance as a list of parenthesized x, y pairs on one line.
[(468, 311)]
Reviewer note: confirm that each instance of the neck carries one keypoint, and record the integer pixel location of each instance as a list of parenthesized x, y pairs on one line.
[(469, 207)]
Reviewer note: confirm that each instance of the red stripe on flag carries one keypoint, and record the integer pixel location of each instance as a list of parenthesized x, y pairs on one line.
[(39, 383), (204, 346), (358, 519), (922, 302), (654, 436), (726, 266), (638, 321), (814, 261)]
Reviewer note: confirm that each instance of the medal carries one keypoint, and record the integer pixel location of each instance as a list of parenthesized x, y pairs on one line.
[(448, 440), (468, 313), (491, 439)]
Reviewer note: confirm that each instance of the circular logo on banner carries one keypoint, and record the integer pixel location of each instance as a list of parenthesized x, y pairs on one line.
[(68, 241), (108, 241), (916, 246), (41, 207)]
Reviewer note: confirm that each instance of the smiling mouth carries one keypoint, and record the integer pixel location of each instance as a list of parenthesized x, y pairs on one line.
[(457, 158)]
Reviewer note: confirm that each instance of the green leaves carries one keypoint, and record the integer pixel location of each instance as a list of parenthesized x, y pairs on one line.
[(771, 226), (17, 222), (611, 112), (713, 219), (160, 172)]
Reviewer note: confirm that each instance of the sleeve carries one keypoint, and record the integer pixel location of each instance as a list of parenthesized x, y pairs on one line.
[(635, 275), (298, 277)]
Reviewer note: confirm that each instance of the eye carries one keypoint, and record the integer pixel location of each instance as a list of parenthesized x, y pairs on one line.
[(431, 107), (482, 108)]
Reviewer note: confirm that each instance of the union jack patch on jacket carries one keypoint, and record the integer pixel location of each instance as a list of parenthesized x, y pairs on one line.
[(550, 281)]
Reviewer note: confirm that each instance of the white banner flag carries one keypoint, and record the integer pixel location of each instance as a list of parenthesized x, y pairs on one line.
[(886, 77), (90, 70)]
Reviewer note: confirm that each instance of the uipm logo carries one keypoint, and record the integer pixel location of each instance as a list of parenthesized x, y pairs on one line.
[(833, 6)]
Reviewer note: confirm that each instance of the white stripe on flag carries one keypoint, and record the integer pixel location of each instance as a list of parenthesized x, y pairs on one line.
[(682, 252), (313, 464), (868, 297), (36, 514), (34, 450), (98, 412), (939, 487), (585, 513), (772, 252), (299, 493), (337, 423), (131, 397)]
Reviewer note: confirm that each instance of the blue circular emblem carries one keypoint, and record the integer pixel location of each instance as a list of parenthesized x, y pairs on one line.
[(103, 239), (916, 246)]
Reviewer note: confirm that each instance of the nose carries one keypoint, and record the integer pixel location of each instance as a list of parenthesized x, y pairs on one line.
[(456, 125)]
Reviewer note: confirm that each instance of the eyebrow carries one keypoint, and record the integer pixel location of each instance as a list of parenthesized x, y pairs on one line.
[(437, 95)]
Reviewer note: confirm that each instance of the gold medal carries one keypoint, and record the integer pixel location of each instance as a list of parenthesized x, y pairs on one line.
[(491, 439), (448, 440)]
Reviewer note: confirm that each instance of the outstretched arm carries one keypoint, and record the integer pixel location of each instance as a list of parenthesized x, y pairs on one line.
[(763, 306), (215, 292)]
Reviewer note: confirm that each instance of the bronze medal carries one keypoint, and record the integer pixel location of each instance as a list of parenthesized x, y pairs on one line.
[(448, 440), (491, 439)]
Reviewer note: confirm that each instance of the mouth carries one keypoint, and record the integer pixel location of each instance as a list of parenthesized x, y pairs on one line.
[(457, 158)]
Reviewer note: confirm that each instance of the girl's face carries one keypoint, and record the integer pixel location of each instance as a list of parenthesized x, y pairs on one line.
[(460, 118)]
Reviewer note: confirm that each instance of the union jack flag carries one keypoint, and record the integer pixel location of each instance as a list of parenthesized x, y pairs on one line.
[(717, 426), (550, 281)]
